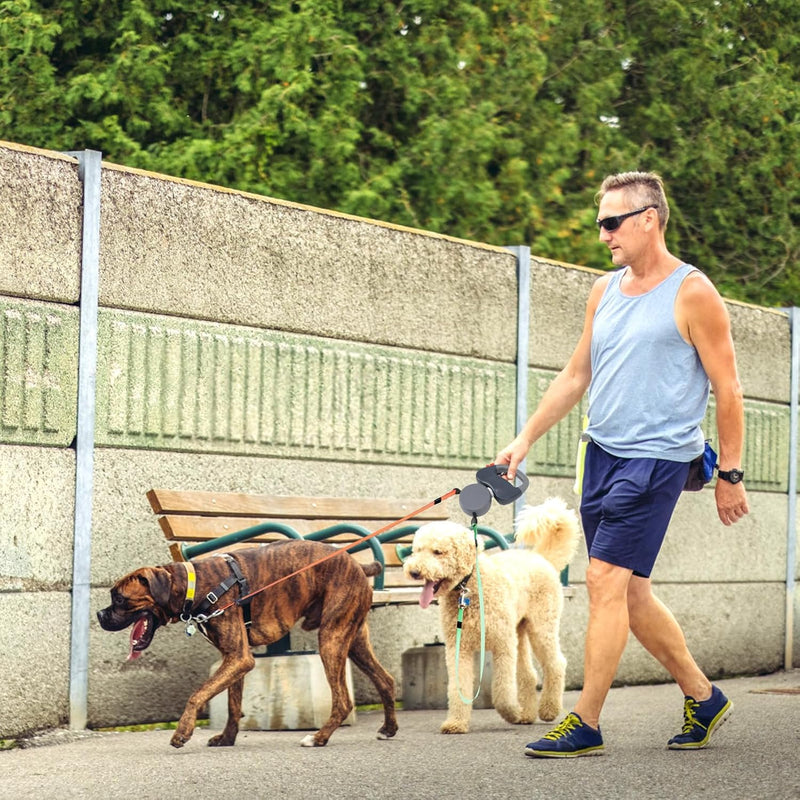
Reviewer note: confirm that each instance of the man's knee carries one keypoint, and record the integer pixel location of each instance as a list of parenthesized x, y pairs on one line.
[(606, 582)]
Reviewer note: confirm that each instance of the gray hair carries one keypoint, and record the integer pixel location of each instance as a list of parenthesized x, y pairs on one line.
[(641, 189)]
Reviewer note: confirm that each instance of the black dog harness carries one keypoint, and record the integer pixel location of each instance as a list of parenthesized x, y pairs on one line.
[(201, 612)]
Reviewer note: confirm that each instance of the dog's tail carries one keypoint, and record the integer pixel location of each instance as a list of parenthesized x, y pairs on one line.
[(551, 529), (373, 568)]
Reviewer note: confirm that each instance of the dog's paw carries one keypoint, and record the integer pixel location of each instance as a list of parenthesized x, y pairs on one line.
[(177, 740), (453, 727), (549, 711), (220, 741), (310, 741), (512, 715)]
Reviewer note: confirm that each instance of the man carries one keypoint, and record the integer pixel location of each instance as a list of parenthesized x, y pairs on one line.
[(656, 334)]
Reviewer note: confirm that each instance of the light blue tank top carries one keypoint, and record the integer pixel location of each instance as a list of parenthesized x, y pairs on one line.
[(649, 392)]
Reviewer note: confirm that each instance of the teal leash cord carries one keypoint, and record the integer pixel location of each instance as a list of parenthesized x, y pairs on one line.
[(463, 602)]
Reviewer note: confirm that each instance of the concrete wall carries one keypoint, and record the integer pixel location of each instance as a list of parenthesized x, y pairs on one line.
[(256, 345)]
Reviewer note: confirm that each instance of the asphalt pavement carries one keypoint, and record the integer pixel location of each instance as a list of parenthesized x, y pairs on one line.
[(754, 756)]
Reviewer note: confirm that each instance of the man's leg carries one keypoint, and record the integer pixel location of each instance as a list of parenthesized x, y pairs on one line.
[(705, 706), (607, 633), (653, 624), (606, 636)]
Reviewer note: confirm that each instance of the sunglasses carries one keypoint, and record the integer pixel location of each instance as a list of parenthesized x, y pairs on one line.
[(612, 223)]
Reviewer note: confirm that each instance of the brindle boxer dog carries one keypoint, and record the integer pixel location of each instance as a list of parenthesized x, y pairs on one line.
[(333, 596)]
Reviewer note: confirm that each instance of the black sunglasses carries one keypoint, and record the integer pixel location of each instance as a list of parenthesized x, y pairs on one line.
[(612, 223)]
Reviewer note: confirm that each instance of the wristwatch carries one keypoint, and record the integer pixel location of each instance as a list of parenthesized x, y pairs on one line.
[(732, 475)]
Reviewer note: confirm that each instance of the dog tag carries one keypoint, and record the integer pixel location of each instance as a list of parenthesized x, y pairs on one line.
[(191, 628)]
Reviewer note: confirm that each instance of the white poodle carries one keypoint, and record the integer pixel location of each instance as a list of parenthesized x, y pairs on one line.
[(523, 599)]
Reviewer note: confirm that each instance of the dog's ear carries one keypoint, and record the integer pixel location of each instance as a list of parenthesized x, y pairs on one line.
[(159, 584)]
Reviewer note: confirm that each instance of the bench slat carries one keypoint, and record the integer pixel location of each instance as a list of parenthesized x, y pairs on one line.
[(166, 501), (184, 528)]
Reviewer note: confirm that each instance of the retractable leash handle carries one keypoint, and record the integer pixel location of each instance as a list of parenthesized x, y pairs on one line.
[(476, 499)]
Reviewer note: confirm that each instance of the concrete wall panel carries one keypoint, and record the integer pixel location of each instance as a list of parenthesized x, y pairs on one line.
[(154, 687), (558, 307), (763, 377), (39, 365), (744, 636), (126, 534), (173, 384), (40, 238), (37, 488), (34, 661), (176, 247), (698, 548)]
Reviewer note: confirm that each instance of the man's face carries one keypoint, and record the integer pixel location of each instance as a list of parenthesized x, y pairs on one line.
[(626, 241)]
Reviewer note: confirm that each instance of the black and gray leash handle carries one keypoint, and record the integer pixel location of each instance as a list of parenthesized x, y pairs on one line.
[(476, 498)]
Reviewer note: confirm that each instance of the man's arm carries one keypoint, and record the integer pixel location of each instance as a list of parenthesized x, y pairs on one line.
[(703, 320), (565, 391)]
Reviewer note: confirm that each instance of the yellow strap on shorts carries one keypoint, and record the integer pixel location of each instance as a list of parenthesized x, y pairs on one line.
[(580, 458)]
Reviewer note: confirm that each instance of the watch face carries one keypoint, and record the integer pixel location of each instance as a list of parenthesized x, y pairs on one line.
[(731, 475)]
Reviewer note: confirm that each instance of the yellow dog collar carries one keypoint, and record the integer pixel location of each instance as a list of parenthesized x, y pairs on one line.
[(191, 585)]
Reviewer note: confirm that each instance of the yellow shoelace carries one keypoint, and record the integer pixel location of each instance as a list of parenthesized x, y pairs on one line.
[(689, 719), (569, 723)]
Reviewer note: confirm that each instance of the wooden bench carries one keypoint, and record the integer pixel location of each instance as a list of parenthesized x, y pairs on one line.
[(188, 518)]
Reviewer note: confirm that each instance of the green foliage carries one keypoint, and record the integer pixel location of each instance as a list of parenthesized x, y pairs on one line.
[(494, 121), (27, 76)]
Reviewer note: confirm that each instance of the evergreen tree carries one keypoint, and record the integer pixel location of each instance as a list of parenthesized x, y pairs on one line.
[(494, 121)]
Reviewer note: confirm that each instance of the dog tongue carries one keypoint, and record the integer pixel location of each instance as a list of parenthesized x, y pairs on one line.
[(426, 598), (136, 631)]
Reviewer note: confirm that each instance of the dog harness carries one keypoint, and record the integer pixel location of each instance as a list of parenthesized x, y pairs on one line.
[(200, 613)]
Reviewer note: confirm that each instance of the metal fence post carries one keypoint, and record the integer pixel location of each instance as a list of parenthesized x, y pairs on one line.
[(791, 535), (89, 167)]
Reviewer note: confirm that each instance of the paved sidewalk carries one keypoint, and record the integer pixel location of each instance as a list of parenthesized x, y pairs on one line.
[(754, 756)]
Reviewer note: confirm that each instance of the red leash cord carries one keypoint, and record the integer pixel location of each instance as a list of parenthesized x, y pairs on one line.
[(336, 552)]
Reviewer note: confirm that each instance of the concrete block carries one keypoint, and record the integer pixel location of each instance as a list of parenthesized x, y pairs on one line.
[(34, 661), (40, 238), (37, 489), (282, 693), (240, 258), (39, 365), (425, 679), (558, 299), (190, 385)]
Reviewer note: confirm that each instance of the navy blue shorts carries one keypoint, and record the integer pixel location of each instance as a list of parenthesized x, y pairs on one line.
[(626, 506)]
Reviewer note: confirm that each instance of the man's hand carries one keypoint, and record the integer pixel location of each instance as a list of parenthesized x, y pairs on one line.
[(513, 455), (731, 501)]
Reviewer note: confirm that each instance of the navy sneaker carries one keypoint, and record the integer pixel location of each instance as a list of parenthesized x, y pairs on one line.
[(700, 720), (569, 739)]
